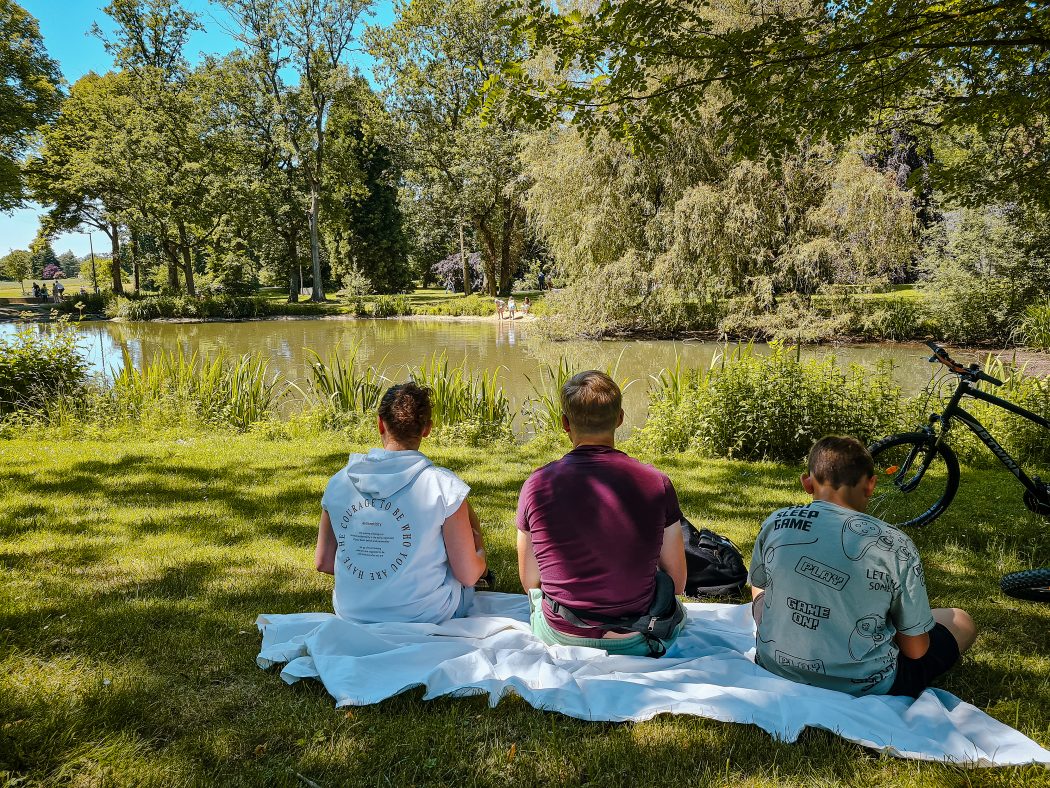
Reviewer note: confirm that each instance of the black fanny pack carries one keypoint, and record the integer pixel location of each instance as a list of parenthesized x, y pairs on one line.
[(664, 616)]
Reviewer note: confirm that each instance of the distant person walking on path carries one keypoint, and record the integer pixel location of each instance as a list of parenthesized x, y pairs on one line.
[(59, 290), (36, 290)]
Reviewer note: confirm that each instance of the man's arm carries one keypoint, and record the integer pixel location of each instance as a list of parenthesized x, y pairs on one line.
[(528, 569), (464, 557), (324, 554), (672, 555)]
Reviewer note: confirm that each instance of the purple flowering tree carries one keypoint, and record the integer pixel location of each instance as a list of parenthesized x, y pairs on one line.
[(449, 272), (52, 271)]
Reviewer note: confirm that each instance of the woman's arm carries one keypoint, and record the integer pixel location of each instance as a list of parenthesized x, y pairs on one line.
[(466, 559), (324, 555)]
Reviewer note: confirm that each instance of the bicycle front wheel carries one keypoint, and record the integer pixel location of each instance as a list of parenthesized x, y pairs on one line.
[(1033, 584), (917, 479)]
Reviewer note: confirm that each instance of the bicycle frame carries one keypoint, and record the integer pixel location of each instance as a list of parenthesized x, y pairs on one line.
[(954, 410)]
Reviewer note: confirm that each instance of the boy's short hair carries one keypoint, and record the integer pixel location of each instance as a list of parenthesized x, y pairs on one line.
[(591, 401), (405, 410), (839, 460)]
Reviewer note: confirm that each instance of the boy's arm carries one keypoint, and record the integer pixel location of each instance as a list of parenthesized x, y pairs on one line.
[(913, 646)]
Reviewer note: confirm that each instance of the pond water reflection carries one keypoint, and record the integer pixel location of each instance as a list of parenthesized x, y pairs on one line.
[(392, 344)]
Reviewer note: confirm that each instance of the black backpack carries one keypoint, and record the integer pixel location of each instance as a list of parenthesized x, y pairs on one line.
[(714, 566)]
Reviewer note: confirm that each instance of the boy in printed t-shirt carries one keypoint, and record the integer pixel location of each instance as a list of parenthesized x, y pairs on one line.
[(839, 596)]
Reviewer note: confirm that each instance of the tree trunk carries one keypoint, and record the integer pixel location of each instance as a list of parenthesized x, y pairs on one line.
[(173, 263), (468, 285), (294, 282), (506, 263), (114, 262), (135, 272), (489, 258), (187, 259), (317, 292)]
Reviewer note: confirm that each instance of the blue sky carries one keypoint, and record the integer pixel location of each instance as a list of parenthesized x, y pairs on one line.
[(65, 26)]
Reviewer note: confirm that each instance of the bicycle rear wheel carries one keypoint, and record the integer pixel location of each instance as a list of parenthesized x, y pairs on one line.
[(1033, 584), (917, 479)]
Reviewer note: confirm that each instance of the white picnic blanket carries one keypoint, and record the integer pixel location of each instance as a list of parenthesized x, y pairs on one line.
[(709, 672)]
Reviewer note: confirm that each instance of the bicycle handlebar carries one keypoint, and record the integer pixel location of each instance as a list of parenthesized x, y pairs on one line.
[(970, 373)]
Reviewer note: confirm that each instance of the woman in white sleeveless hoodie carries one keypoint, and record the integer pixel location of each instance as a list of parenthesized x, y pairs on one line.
[(396, 530)]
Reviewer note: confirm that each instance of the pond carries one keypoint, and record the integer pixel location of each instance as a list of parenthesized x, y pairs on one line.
[(392, 344)]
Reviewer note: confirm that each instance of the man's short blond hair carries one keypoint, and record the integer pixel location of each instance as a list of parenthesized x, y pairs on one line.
[(591, 401)]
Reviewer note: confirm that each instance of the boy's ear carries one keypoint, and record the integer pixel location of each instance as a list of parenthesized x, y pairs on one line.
[(382, 426), (619, 421), (427, 429), (869, 485), (807, 483), (564, 423)]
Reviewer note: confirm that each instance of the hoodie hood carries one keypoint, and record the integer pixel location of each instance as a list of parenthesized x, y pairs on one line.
[(381, 473)]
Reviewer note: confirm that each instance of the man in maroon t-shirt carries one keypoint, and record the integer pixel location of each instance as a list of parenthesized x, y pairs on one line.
[(594, 526)]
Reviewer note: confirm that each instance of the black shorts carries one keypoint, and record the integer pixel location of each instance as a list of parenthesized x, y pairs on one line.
[(915, 675)]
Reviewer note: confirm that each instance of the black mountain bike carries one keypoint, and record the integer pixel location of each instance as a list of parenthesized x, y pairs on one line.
[(919, 472)]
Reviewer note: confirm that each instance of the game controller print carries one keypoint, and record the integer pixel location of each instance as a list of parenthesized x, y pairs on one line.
[(761, 577), (868, 683), (860, 534), (867, 635)]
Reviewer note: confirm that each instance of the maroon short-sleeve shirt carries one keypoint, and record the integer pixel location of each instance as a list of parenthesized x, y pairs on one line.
[(597, 520)]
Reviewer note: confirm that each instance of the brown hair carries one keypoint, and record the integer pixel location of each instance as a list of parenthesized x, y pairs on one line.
[(840, 460), (405, 410), (591, 402)]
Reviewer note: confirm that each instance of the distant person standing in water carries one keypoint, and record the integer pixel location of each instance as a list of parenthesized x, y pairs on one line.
[(511, 307), (499, 308), (526, 306)]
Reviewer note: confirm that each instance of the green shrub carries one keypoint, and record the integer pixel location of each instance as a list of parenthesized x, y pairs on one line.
[(225, 307), (77, 305), (1035, 326), (474, 305), (39, 366), (896, 319), (391, 306), (748, 406)]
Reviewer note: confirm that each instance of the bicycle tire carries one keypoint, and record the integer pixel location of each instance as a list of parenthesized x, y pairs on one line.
[(1032, 584), (938, 484)]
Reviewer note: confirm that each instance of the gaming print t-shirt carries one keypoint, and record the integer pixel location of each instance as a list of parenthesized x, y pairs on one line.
[(839, 585)]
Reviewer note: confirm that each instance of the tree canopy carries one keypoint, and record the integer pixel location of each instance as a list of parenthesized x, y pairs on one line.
[(30, 93)]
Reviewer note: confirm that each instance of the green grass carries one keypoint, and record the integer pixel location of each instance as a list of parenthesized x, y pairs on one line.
[(134, 568), (11, 289)]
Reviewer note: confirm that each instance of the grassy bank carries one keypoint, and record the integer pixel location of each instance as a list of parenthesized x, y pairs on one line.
[(134, 568)]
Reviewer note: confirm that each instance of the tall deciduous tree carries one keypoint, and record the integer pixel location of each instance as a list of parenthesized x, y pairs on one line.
[(86, 169), (310, 38), (29, 95), (17, 265), (434, 63), (363, 225)]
